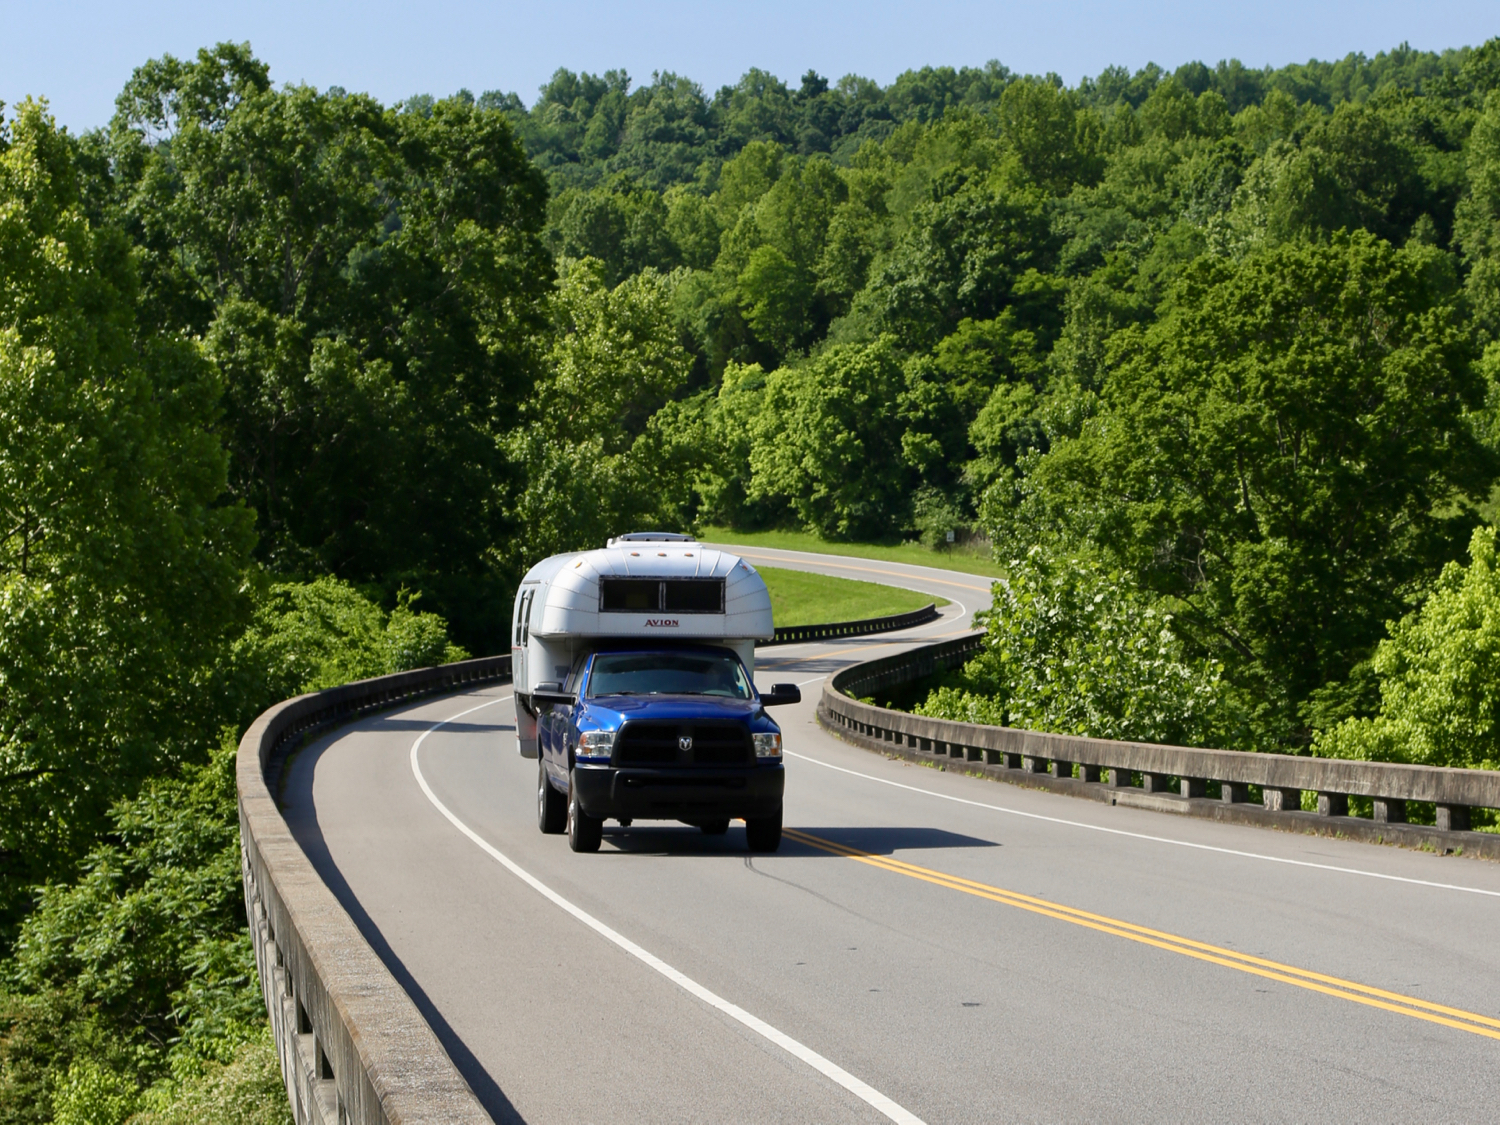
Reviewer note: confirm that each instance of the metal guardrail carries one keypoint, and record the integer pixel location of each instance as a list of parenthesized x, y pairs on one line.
[(794, 634), (1167, 778), (353, 1046)]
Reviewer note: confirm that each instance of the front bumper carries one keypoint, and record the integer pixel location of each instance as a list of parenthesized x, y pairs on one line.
[(679, 794)]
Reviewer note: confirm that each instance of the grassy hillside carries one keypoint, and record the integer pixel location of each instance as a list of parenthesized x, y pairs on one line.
[(799, 598), (960, 558)]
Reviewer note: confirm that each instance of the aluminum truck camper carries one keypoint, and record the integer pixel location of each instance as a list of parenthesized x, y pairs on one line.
[(634, 678)]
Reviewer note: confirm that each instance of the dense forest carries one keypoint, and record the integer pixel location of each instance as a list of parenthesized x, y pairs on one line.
[(294, 385)]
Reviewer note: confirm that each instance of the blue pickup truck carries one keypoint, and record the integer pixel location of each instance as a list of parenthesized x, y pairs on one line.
[(635, 692)]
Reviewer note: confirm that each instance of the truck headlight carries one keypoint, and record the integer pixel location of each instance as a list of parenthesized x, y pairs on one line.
[(596, 744), (767, 745)]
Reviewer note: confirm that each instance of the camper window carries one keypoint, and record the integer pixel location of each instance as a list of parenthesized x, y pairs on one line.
[(650, 595)]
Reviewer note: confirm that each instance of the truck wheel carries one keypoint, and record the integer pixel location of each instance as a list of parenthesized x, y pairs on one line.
[(763, 833), (714, 827), (584, 832), (551, 806)]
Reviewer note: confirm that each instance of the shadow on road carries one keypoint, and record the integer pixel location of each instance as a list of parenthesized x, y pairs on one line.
[(667, 839)]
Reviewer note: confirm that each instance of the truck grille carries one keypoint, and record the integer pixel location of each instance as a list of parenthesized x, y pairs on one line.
[(656, 744)]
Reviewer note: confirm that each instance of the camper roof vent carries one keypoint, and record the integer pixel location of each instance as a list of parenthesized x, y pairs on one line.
[(650, 537)]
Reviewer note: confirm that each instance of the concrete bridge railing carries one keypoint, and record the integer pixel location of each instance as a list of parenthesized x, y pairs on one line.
[(796, 634), (1165, 778), (353, 1046)]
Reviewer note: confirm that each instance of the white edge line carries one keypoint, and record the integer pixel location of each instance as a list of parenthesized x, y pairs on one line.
[(1144, 836), (867, 1094)]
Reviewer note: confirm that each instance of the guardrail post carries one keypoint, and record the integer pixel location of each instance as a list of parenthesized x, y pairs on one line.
[(1388, 810), (1119, 779), (1278, 799), (1154, 782), (1061, 768), (1088, 773), (1233, 792), (1333, 804), (1453, 818), (1194, 787), (1034, 765)]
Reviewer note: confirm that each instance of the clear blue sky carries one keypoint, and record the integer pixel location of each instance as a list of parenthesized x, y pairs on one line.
[(79, 54)]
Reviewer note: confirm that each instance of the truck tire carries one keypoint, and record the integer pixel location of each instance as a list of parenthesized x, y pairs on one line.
[(585, 832), (551, 806), (714, 827), (763, 833)]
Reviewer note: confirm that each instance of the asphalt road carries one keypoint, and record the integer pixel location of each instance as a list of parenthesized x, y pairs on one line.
[(924, 947)]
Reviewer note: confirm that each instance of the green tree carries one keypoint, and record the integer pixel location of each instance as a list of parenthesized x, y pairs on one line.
[(961, 256), (1439, 673), (1477, 225), (598, 460), (776, 297), (693, 227), (1054, 144), (723, 426), (120, 566), (370, 282), (135, 970), (1072, 648), (827, 439), (1281, 454), (778, 283), (306, 636), (626, 229)]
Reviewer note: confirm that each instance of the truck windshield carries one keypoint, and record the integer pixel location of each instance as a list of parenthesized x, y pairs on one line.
[(667, 673)]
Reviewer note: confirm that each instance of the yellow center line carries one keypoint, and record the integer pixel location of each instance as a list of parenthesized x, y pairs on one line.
[(871, 570), (1172, 943)]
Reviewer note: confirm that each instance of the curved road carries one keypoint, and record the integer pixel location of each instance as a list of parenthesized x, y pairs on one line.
[(926, 947)]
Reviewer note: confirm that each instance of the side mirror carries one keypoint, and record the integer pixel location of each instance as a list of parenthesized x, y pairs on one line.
[(781, 693), (550, 691)]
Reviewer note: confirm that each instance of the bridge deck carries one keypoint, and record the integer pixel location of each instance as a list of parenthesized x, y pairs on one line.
[(888, 937)]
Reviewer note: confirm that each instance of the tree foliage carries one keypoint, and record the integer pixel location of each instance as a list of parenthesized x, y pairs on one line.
[(1071, 648), (132, 983), (1439, 675), (826, 437), (120, 570), (596, 456), (369, 282), (1281, 452)]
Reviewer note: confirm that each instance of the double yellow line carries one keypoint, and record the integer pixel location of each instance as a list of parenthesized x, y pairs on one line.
[(1228, 958)]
